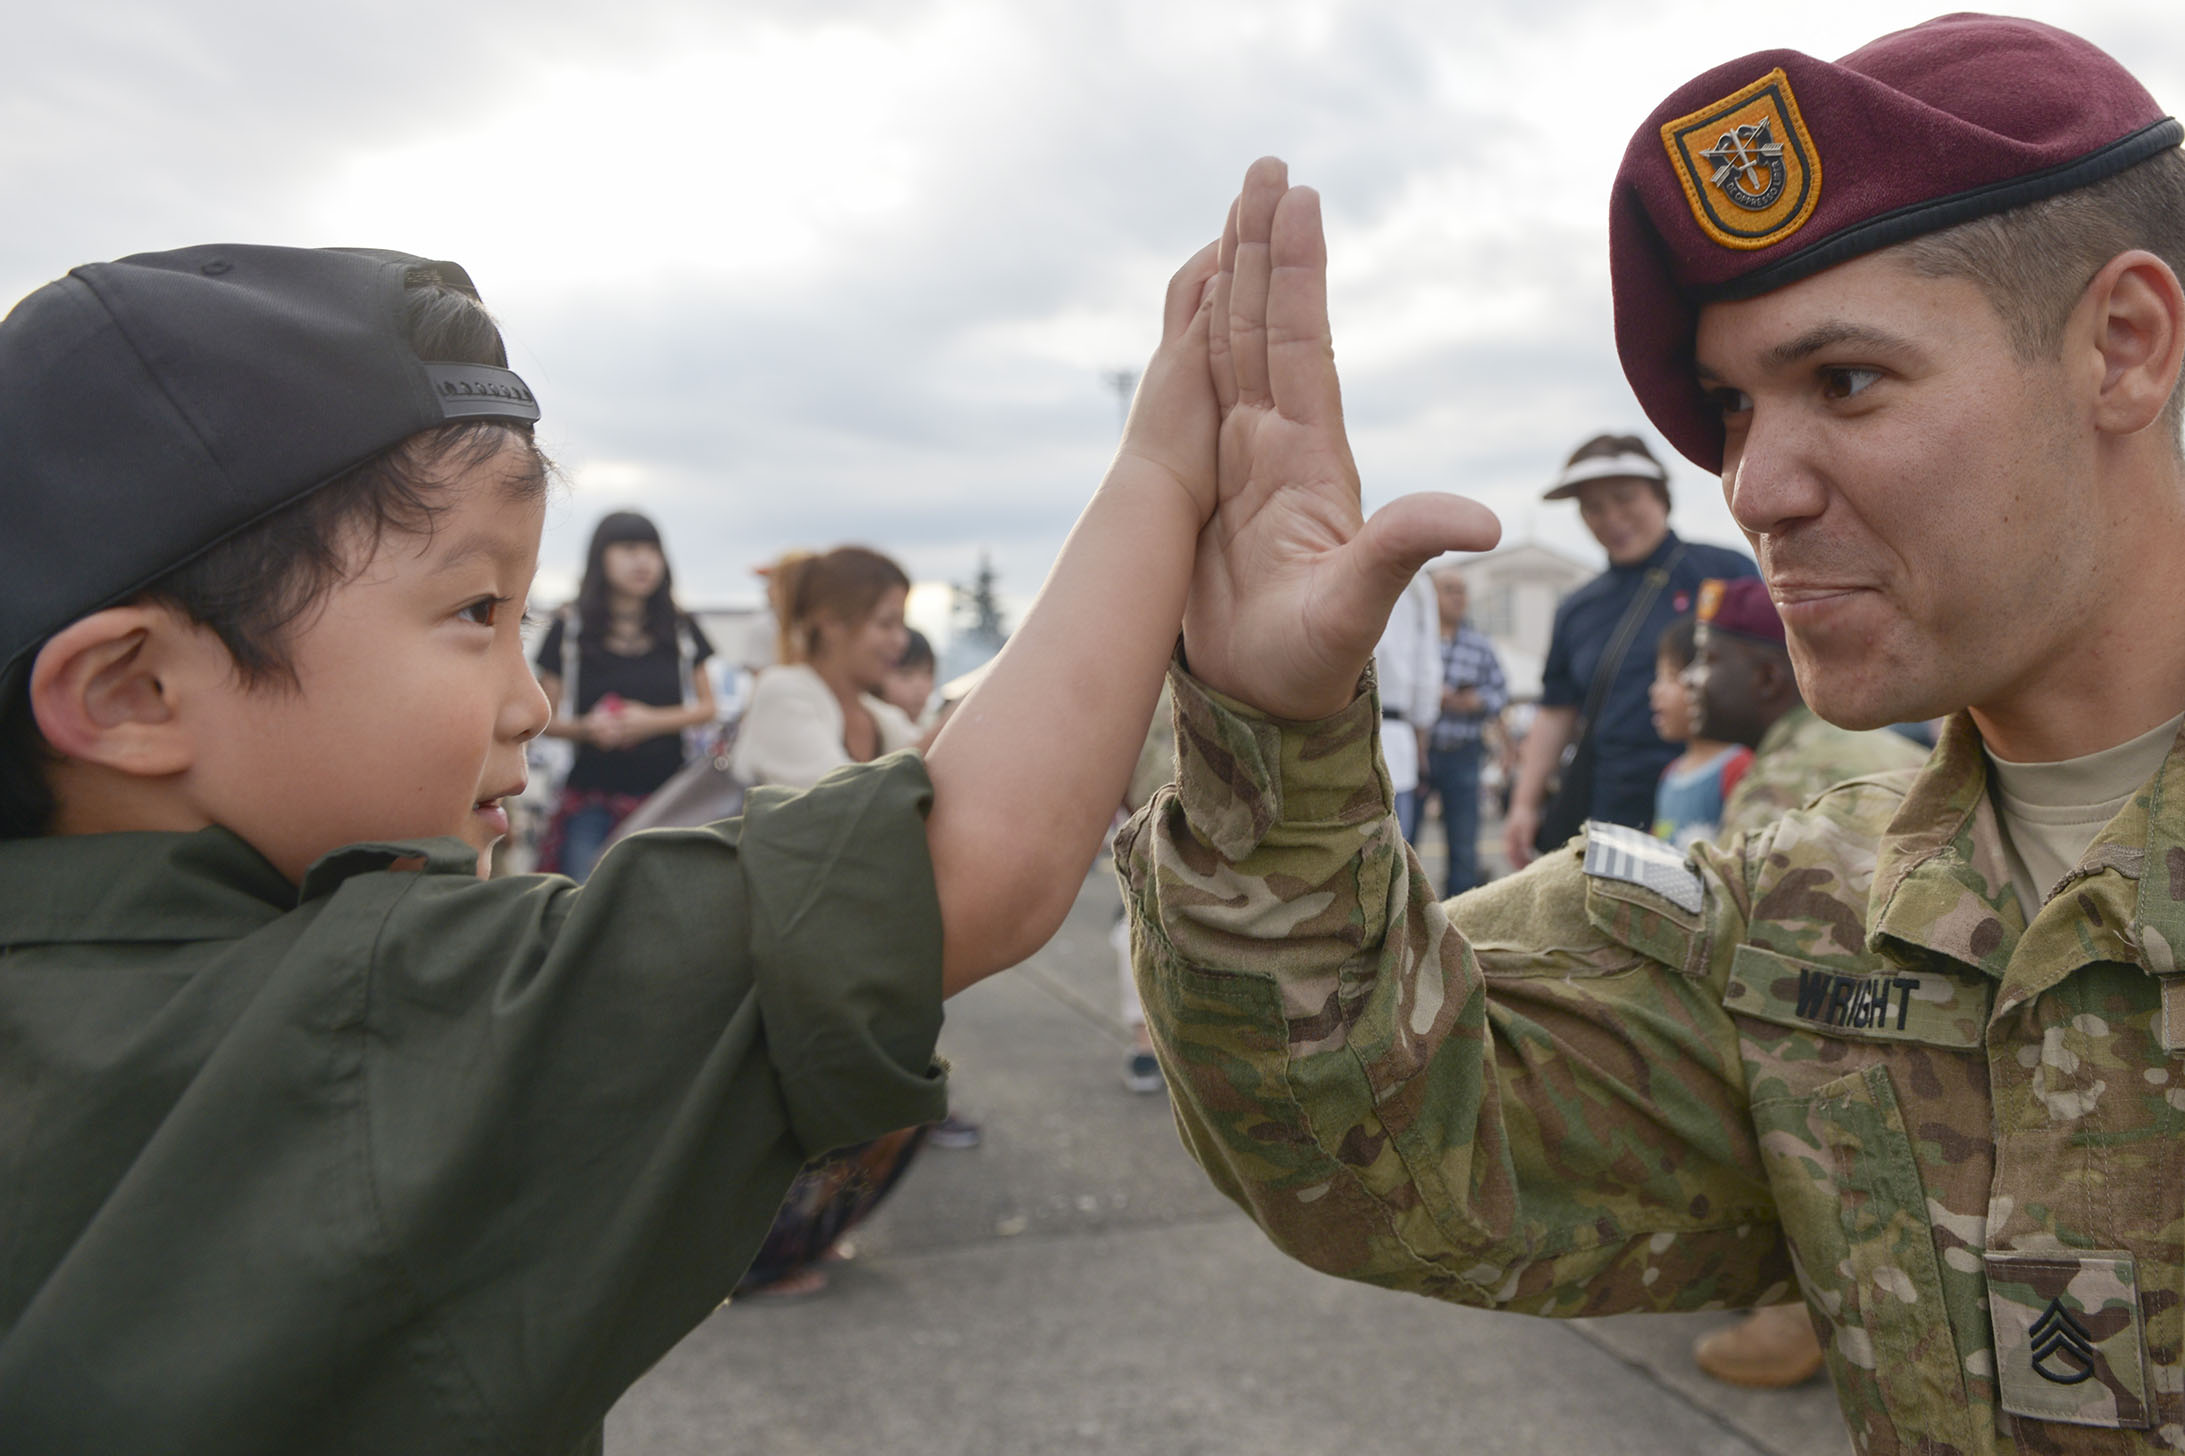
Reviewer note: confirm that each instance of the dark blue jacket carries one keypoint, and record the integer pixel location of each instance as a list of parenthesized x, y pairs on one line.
[(1628, 756)]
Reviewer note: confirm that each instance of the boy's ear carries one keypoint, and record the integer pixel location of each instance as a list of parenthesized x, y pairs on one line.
[(109, 689)]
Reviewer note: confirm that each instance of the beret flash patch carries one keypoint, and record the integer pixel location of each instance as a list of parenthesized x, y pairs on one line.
[(1747, 163)]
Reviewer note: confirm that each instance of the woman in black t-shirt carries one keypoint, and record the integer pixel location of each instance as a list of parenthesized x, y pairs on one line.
[(622, 666)]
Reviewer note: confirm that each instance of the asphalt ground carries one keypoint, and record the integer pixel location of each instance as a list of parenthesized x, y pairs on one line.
[(1074, 1285)]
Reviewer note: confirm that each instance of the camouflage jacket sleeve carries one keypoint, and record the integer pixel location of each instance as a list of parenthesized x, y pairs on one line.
[(1548, 1116)]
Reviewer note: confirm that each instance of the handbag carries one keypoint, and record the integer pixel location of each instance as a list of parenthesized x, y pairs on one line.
[(1566, 812), (700, 792)]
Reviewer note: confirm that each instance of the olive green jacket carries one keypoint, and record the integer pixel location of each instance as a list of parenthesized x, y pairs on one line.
[(1828, 1055), (412, 1162)]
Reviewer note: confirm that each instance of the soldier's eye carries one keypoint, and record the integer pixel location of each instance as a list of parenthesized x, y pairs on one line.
[(1846, 383), (1727, 401)]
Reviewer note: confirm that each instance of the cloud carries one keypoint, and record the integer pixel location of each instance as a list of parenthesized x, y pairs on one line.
[(795, 273)]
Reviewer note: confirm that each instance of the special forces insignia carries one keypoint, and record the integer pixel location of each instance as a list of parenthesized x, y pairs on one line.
[(1748, 165), (2063, 1349)]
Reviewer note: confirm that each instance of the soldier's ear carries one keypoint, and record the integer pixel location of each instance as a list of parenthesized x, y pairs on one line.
[(2129, 326)]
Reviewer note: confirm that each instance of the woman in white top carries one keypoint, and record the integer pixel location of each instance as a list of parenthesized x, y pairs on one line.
[(819, 707)]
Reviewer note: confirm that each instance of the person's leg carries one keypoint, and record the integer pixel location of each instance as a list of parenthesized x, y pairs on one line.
[(1456, 779), (1440, 764), (583, 836), (1407, 814), (1142, 1072)]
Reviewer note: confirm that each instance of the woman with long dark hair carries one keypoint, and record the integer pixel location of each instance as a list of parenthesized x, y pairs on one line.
[(623, 667)]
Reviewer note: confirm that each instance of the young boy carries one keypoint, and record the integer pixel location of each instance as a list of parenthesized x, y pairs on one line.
[(1688, 800), (310, 1138)]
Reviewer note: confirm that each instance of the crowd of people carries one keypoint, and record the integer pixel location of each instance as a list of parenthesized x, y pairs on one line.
[(319, 1137)]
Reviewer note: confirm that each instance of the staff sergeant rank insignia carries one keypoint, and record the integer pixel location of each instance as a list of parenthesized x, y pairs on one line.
[(1747, 164), (2063, 1349)]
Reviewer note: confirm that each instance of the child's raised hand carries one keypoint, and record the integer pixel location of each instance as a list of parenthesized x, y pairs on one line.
[(1174, 414), (1291, 588)]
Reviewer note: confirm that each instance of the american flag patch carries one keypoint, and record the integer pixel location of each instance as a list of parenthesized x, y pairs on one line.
[(1618, 852)]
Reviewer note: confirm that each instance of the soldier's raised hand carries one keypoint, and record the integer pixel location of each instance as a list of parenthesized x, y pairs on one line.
[(1292, 586)]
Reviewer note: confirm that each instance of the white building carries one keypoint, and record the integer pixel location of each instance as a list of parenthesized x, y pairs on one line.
[(1514, 592)]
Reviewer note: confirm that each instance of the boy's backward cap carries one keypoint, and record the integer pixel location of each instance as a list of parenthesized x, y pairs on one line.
[(152, 407), (1771, 168)]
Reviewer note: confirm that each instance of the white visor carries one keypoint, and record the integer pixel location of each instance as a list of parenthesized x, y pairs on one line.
[(1629, 465)]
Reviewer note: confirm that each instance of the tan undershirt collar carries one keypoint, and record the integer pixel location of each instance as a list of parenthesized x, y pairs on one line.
[(2050, 812)]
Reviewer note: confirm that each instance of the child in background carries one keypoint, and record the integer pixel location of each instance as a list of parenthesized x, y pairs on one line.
[(909, 684), (1688, 800)]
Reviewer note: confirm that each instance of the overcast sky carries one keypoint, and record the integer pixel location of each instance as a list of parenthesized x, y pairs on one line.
[(791, 274)]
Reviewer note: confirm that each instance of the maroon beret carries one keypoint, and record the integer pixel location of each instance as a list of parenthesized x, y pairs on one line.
[(1769, 169), (1742, 608)]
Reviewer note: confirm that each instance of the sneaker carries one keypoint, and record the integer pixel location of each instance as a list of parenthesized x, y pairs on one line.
[(954, 1132), (1142, 1073)]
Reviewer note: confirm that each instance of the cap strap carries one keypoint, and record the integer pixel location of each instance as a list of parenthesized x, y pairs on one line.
[(471, 391)]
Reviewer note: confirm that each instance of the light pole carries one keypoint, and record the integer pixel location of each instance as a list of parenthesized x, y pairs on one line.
[(1125, 383)]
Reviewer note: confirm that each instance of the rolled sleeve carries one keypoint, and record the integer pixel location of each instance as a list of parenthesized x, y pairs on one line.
[(834, 922), (1240, 773)]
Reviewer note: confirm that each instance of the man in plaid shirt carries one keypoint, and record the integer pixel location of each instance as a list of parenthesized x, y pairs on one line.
[(1473, 695)]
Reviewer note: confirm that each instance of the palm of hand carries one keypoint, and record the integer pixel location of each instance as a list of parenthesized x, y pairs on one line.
[(1292, 587), (1271, 558)]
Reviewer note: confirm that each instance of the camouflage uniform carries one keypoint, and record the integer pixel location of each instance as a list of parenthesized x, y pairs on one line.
[(1802, 754), (1827, 1054)]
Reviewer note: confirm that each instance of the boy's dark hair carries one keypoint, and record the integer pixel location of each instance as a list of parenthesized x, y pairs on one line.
[(1678, 643), (917, 652), (255, 587)]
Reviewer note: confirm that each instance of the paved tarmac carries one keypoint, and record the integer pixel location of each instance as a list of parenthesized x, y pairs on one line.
[(1074, 1285)]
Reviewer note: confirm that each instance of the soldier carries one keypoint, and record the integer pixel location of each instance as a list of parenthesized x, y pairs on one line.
[(1915, 1052)]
